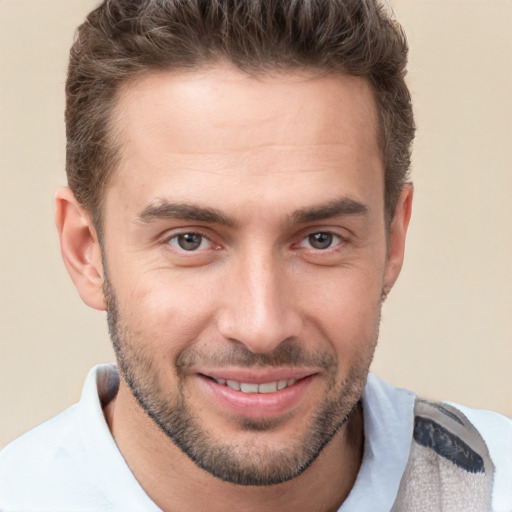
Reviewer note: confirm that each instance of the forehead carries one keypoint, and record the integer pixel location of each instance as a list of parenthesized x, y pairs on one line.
[(181, 133), (223, 99)]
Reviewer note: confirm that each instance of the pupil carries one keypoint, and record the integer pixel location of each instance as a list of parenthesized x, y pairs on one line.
[(189, 241), (320, 240)]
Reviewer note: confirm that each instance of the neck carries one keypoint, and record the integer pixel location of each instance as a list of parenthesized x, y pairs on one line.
[(175, 483)]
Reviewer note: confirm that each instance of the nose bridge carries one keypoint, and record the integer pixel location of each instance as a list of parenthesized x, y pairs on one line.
[(259, 311)]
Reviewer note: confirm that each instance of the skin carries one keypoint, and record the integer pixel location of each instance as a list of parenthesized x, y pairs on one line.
[(278, 158)]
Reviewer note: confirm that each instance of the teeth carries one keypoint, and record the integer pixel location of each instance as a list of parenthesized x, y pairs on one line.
[(266, 387), (233, 385), (282, 384), (248, 388)]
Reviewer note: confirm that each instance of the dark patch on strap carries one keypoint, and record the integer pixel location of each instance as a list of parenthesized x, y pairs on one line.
[(430, 434)]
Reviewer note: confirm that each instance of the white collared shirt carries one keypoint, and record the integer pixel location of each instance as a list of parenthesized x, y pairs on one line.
[(71, 463)]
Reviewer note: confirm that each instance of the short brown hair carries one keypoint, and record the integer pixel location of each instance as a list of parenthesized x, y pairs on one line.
[(123, 39)]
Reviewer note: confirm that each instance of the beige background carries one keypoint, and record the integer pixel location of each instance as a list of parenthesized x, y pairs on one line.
[(446, 326)]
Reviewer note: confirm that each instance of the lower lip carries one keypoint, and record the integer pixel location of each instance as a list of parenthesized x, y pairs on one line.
[(257, 405)]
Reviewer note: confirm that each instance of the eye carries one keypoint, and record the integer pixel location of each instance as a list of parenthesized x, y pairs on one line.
[(190, 241), (321, 241)]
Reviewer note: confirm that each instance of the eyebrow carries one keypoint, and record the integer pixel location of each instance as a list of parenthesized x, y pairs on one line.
[(183, 211), (193, 212), (337, 208)]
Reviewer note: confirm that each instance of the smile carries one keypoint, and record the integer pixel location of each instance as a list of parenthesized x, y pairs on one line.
[(265, 387), (257, 394)]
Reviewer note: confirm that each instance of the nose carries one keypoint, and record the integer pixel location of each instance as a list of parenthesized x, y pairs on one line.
[(259, 308)]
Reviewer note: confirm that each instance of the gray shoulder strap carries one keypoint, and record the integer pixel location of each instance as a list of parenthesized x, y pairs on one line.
[(449, 468)]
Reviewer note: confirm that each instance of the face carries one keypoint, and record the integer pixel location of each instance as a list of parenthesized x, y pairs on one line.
[(245, 259)]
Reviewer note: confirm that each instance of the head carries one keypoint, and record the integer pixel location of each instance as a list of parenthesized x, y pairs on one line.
[(123, 40), (238, 206)]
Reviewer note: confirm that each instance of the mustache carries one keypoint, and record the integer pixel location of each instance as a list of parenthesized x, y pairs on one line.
[(285, 354)]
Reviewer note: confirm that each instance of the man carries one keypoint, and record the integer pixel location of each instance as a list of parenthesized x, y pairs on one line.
[(238, 203)]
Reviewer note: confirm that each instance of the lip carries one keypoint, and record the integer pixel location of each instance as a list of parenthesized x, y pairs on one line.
[(256, 405)]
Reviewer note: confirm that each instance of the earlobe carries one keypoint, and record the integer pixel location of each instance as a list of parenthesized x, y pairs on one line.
[(80, 248), (397, 236)]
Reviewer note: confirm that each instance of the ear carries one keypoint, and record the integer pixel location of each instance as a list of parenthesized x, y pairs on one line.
[(397, 235), (80, 248)]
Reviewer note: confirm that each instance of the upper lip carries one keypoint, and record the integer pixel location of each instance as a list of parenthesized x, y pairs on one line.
[(257, 375)]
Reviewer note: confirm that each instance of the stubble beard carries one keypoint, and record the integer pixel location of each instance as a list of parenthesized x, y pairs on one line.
[(234, 462)]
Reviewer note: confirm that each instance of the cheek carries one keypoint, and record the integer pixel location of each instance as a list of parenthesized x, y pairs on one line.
[(345, 309), (165, 310)]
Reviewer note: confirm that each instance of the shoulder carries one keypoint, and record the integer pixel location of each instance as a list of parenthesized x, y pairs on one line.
[(423, 451), (496, 431), (71, 463), (56, 460), (41, 460), (490, 423), (43, 440), (492, 430), (460, 458)]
